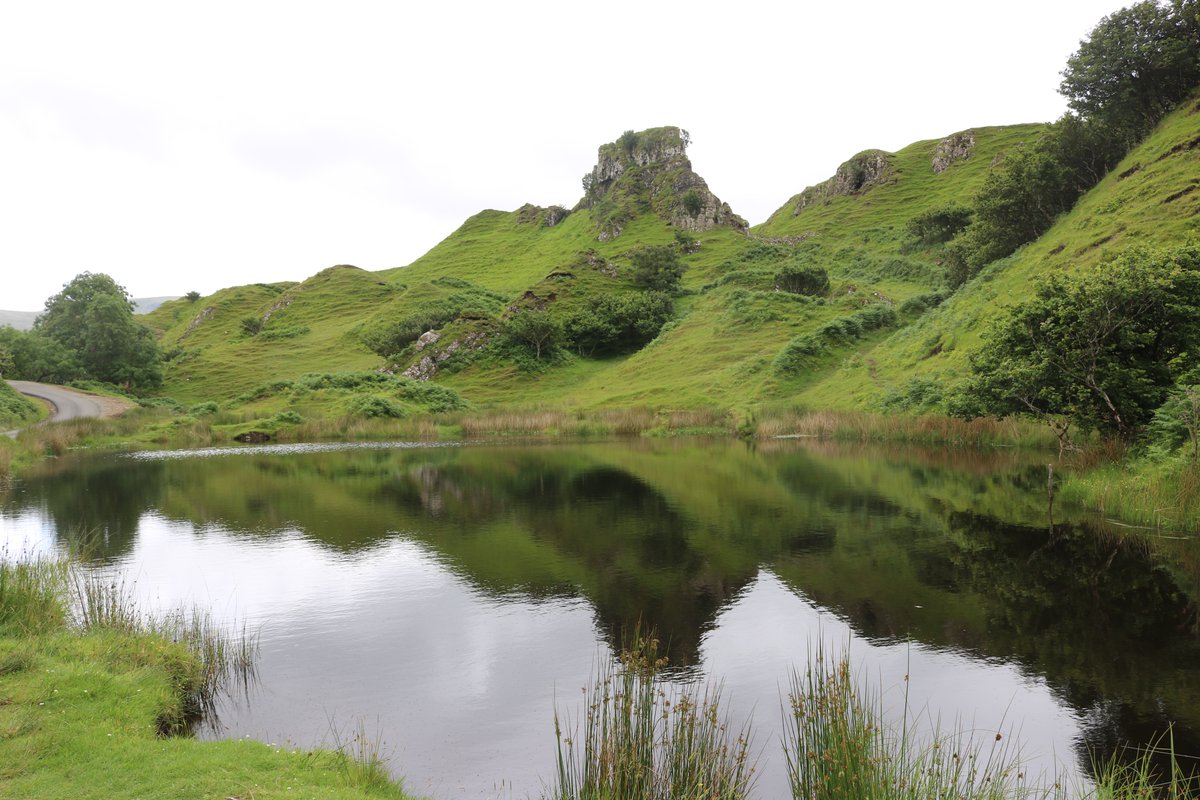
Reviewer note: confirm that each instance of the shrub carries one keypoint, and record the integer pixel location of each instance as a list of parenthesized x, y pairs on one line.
[(375, 406), (939, 225), (693, 202), (200, 409), (192, 296), (657, 267), (251, 326), (797, 279), (618, 323)]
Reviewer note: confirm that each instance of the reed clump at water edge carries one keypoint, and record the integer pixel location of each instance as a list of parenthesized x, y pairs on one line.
[(641, 738)]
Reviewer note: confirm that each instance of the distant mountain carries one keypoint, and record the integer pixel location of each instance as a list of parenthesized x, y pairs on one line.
[(23, 320)]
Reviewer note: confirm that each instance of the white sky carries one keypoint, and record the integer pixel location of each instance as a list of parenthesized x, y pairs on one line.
[(184, 147)]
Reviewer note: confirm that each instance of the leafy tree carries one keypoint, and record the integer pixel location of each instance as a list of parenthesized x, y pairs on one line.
[(92, 319), (657, 267), (1178, 420), (192, 296), (35, 357), (533, 329), (939, 225), (798, 279), (1135, 66), (1099, 351), (693, 203), (614, 324)]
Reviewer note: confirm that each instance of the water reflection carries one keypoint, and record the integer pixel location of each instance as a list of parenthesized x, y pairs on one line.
[(451, 585)]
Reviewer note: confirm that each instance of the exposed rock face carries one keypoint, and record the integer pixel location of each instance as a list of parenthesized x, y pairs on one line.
[(196, 321), (530, 214), (860, 174), (952, 149), (651, 169), (428, 364)]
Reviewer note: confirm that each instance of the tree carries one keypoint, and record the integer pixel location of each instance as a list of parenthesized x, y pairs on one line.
[(614, 324), (35, 357), (1100, 351), (1135, 66), (657, 267), (533, 329), (92, 319)]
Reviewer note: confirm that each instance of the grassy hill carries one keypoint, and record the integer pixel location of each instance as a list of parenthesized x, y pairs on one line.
[(1148, 199), (730, 325)]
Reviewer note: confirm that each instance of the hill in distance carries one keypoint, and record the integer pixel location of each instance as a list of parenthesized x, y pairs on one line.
[(735, 340)]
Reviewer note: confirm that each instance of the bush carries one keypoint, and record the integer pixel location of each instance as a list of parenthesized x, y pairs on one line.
[(251, 326), (200, 409), (797, 279), (192, 296), (939, 225), (375, 406), (615, 324), (693, 202), (534, 330), (657, 268)]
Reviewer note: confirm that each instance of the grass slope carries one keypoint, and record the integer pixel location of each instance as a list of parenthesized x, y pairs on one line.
[(1150, 198)]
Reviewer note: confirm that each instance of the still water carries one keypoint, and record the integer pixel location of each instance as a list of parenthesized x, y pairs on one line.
[(447, 598)]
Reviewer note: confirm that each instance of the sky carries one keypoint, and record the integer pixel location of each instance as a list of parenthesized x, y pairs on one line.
[(192, 146)]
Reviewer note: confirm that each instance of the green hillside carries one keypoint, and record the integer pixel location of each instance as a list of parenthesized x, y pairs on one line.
[(729, 323), (1148, 199)]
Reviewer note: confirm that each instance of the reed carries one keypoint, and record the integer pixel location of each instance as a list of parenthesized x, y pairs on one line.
[(837, 747), (360, 758), (644, 739), (222, 661), (926, 429), (31, 595)]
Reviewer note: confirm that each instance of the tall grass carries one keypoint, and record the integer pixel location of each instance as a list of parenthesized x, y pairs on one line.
[(1162, 494), (838, 747), (31, 595), (223, 660), (642, 739), (860, 426), (1141, 778), (360, 758)]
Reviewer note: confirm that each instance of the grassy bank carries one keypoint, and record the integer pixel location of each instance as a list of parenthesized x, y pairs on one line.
[(94, 697), (1161, 493)]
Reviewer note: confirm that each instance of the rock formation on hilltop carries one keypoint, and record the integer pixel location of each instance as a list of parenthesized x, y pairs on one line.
[(860, 174), (649, 171)]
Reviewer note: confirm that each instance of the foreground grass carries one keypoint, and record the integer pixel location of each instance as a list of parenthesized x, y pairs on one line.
[(87, 700)]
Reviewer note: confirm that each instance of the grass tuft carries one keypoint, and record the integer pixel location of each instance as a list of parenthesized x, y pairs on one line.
[(641, 739)]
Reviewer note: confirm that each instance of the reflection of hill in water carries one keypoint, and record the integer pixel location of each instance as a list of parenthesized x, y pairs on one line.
[(950, 549)]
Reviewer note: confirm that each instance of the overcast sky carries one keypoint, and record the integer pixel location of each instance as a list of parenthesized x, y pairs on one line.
[(183, 147)]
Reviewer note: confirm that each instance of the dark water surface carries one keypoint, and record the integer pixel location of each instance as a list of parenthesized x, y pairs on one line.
[(447, 597)]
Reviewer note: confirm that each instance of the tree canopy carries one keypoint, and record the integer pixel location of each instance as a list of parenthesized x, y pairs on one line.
[(1101, 351), (91, 322), (1135, 66)]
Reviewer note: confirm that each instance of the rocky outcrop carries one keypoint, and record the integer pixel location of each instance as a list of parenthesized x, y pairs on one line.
[(429, 363), (529, 214), (954, 148), (860, 174), (650, 169)]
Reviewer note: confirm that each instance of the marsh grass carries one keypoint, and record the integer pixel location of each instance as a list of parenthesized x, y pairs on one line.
[(1159, 495), (223, 660), (1142, 776), (838, 747), (31, 595), (641, 738), (360, 757), (857, 426)]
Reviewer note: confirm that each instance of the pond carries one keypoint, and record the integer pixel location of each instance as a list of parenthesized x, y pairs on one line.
[(447, 598)]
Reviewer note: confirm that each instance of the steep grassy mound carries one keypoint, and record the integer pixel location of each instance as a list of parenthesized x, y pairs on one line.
[(1150, 198)]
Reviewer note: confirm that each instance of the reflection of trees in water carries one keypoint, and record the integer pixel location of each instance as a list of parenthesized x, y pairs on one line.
[(1109, 628), (95, 504)]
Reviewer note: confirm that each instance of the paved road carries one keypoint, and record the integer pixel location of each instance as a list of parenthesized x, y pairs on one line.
[(68, 403)]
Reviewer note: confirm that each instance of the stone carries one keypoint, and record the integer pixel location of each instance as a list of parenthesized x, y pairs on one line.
[(954, 148)]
